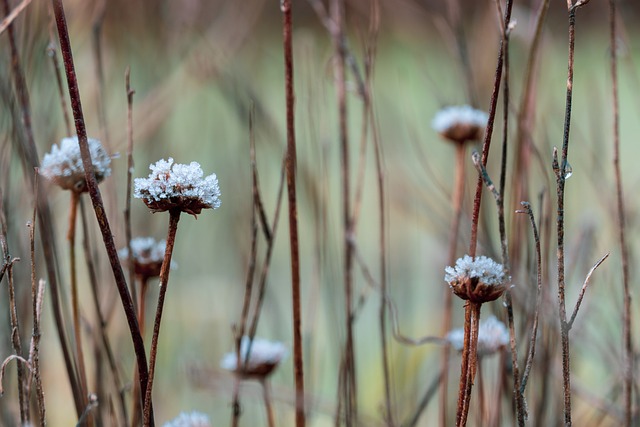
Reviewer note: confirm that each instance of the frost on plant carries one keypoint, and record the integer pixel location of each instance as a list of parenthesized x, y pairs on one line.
[(264, 357), (478, 279), (492, 336), (460, 123), (192, 419), (177, 186), (63, 165), (148, 255)]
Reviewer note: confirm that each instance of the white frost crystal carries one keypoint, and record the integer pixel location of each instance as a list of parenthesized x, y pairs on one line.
[(460, 123), (192, 419), (63, 165), (177, 186), (265, 355), (483, 268), (492, 336)]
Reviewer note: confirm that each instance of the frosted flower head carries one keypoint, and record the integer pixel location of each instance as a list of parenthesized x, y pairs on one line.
[(148, 255), (492, 336), (192, 419), (63, 165), (478, 279), (265, 356), (460, 123), (176, 186)]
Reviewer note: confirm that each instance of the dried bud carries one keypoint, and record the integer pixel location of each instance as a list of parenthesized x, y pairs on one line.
[(177, 186), (492, 336), (147, 256), (263, 359), (460, 124), (478, 280), (63, 165), (192, 419)]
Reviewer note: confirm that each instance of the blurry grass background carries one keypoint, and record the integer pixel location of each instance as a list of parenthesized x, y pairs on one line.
[(197, 66)]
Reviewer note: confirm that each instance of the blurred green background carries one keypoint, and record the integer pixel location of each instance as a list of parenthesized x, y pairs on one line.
[(198, 66)]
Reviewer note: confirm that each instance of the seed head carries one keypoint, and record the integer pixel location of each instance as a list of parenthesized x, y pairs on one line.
[(264, 357), (63, 165), (148, 255), (177, 186), (492, 336), (478, 279), (460, 124), (192, 419)]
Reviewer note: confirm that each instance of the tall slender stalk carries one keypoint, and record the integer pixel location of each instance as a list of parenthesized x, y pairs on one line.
[(75, 304), (560, 167), (287, 29), (624, 250), (174, 217), (26, 146), (96, 198)]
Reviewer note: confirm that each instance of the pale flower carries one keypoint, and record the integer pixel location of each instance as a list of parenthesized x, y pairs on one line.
[(63, 165), (478, 279), (460, 123), (177, 186), (492, 336), (264, 357), (192, 419)]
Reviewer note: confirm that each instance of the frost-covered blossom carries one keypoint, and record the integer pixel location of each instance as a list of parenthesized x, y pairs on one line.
[(492, 336), (192, 419), (176, 186), (460, 123), (63, 165), (264, 357), (478, 279), (148, 255)]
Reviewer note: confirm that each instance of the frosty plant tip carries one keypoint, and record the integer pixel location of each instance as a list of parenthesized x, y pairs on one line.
[(460, 123), (174, 186), (264, 356), (478, 279), (148, 255), (192, 419), (492, 336), (63, 165)]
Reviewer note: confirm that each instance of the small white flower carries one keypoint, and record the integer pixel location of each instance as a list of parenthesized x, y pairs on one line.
[(63, 165), (177, 186), (192, 419), (492, 336), (460, 123), (264, 357)]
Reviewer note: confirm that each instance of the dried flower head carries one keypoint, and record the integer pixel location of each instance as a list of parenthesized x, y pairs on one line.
[(148, 255), (492, 336), (478, 279), (460, 123), (264, 357), (177, 186), (192, 419), (63, 165)]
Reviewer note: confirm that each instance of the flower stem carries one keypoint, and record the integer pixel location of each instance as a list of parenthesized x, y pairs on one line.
[(75, 307), (469, 361), (137, 403), (174, 217)]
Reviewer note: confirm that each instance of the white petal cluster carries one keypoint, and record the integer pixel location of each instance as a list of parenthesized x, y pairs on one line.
[(485, 269), (172, 180), (145, 250), (192, 419), (263, 352), (64, 162), (492, 335), (458, 115)]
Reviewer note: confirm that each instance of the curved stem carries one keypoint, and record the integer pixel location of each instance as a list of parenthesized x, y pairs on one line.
[(174, 217)]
